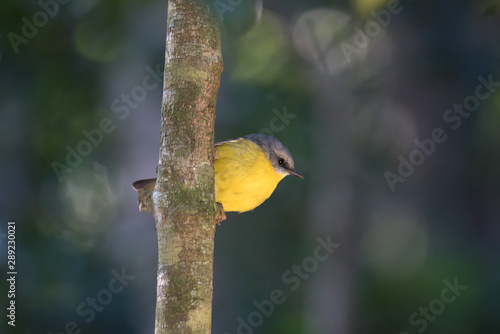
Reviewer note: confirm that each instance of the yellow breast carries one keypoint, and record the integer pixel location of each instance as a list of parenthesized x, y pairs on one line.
[(244, 178)]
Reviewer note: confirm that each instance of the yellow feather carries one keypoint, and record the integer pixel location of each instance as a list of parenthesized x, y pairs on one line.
[(244, 177)]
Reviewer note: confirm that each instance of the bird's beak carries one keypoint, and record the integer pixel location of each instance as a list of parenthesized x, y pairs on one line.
[(297, 174)]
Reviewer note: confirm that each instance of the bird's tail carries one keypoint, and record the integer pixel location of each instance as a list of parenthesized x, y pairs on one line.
[(146, 184), (144, 189)]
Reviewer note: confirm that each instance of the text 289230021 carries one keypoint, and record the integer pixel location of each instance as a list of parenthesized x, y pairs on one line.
[(11, 273)]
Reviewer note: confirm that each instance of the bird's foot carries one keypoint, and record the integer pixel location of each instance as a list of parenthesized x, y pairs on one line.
[(220, 213)]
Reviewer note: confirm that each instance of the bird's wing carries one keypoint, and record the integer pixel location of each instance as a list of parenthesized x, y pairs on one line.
[(227, 141), (234, 140)]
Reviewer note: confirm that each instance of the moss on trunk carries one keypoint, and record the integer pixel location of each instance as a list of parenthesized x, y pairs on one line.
[(184, 199)]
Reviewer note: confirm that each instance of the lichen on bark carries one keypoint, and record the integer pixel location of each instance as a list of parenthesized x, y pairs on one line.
[(184, 196)]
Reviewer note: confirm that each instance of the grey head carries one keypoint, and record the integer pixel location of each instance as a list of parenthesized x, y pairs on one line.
[(280, 157)]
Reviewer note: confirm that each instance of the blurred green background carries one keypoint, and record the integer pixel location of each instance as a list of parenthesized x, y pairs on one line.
[(347, 86)]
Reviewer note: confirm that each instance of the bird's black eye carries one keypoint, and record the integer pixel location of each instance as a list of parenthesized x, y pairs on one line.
[(281, 161)]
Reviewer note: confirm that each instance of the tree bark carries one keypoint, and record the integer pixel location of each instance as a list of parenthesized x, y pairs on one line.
[(184, 196)]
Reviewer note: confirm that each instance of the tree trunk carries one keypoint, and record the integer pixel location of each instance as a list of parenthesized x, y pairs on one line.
[(184, 199)]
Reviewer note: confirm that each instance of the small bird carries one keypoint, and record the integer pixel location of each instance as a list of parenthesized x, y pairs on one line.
[(247, 170)]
